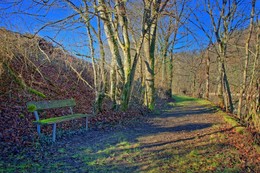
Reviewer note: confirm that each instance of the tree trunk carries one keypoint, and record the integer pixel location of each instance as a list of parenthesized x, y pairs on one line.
[(142, 77), (243, 88), (253, 92), (223, 80), (149, 81), (123, 21), (194, 85), (129, 84), (163, 79), (221, 25), (151, 10), (220, 84), (229, 104), (93, 65), (207, 76), (171, 74), (164, 63), (116, 64), (103, 81)]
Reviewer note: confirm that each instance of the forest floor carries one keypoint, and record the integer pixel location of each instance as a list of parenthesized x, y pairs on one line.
[(186, 135)]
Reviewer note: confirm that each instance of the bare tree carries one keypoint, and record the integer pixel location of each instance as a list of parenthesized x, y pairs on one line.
[(246, 59), (252, 102), (207, 73), (223, 26), (152, 9), (172, 20)]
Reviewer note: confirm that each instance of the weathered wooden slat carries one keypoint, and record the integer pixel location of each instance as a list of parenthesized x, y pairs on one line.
[(42, 105), (49, 104), (61, 119)]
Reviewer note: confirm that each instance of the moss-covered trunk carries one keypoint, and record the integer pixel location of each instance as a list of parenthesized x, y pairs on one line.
[(151, 15)]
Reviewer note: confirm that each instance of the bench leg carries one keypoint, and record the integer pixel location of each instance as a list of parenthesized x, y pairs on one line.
[(86, 123), (54, 133), (39, 129)]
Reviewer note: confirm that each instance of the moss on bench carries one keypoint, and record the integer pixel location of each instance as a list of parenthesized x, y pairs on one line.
[(61, 119)]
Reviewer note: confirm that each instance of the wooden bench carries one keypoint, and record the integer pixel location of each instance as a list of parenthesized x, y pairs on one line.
[(51, 104)]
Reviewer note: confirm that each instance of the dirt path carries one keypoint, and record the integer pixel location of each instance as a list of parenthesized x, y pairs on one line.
[(182, 138)]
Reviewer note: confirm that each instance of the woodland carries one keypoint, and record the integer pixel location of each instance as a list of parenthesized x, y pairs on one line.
[(173, 85)]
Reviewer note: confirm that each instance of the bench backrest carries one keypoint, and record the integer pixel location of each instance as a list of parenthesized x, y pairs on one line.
[(50, 104)]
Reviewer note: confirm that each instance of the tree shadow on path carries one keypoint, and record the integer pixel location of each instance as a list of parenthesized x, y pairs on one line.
[(128, 148)]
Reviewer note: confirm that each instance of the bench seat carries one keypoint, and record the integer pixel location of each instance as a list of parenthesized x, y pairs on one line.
[(61, 119), (35, 106)]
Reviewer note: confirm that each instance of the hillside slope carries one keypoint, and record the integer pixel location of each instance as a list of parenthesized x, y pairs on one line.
[(33, 69)]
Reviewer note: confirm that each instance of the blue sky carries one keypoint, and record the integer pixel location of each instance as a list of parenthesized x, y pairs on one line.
[(17, 21), (74, 35)]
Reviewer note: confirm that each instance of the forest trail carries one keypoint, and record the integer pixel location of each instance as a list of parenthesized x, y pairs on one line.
[(186, 136)]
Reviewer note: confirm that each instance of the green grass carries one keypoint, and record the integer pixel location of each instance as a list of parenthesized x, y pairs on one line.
[(234, 123), (196, 161), (38, 93), (181, 100)]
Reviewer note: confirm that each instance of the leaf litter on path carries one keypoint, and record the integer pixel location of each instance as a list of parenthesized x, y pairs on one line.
[(187, 138)]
